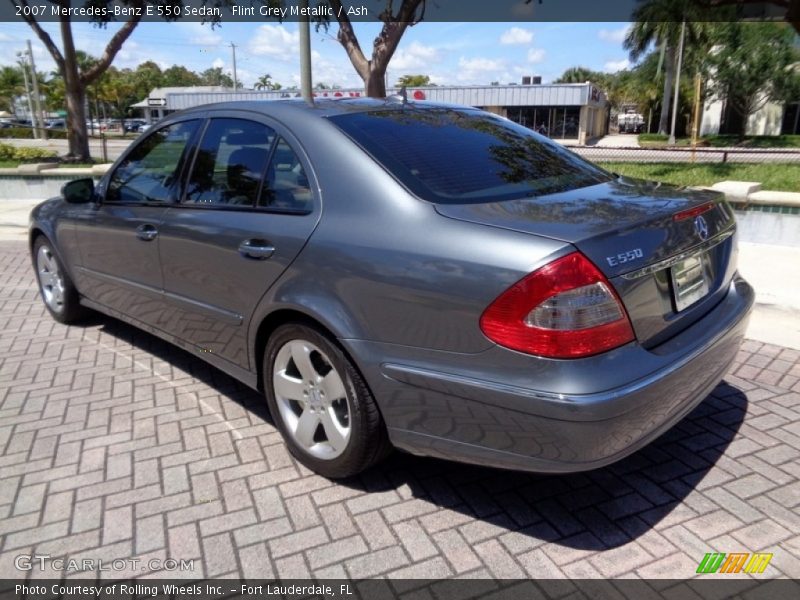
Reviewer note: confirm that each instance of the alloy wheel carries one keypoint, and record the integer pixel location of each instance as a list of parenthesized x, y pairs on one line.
[(50, 279), (312, 400)]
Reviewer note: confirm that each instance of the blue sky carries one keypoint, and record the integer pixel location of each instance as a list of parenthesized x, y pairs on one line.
[(450, 53)]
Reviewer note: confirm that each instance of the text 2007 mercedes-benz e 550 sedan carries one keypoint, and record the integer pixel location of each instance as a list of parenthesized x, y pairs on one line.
[(429, 277)]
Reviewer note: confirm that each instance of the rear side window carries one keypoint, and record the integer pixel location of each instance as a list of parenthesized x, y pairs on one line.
[(464, 156), (230, 163), (150, 172), (286, 187)]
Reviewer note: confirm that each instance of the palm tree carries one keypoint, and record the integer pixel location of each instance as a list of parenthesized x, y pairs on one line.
[(577, 75), (265, 83), (659, 22), (11, 87)]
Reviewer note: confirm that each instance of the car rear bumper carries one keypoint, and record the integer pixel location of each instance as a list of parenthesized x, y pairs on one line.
[(457, 417)]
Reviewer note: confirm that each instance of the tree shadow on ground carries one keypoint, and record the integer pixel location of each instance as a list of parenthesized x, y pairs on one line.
[(595, 510)]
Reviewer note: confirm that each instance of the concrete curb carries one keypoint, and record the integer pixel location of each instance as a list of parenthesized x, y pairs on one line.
[(750, 192), (54, 170), (37, 181)]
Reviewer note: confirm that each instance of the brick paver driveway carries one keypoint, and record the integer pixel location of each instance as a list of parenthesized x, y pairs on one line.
[(115, 445)]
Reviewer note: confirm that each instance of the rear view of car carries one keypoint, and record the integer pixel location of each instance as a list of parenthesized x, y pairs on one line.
[(629, 322), (431, 277)]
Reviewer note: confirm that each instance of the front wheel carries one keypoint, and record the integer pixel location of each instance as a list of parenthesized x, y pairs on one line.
[(55, 286), (320, 403)]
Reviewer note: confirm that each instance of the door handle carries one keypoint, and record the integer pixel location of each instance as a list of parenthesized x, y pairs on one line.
[(146, 232), (257, 249)]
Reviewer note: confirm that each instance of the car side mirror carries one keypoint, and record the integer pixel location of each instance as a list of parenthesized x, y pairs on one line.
[(79, 191)]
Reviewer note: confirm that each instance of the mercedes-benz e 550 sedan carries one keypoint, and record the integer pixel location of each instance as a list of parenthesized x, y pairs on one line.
[(429, 277)]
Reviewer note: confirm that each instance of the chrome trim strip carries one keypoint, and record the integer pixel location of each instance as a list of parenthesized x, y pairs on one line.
[(668, 262)]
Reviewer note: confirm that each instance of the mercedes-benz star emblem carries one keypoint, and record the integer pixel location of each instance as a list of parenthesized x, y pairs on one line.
[(701, 227)]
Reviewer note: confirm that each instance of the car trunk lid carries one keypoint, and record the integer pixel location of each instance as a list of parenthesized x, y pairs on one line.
[(667, 250)]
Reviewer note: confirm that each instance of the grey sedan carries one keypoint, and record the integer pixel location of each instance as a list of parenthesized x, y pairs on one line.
[(395, 274)]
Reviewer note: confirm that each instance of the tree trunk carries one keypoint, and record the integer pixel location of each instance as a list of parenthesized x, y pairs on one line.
[(75, 95), (373, 71), (76, 122), (743, 126), (666, 97), (375, 83)]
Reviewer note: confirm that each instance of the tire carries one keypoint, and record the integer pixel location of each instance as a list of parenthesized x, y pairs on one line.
[(320, 403), (55, 286)]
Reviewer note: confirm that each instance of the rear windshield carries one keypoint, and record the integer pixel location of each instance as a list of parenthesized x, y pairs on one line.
[(466, 156)]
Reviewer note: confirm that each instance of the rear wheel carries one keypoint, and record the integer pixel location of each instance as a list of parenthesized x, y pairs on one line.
[(320, 403), (56, 288)]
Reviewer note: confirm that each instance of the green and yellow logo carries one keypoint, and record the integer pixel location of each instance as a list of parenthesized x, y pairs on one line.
[(735, 562)]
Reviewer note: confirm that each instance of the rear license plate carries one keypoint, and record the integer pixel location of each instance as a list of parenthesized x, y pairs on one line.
[(690, 281)]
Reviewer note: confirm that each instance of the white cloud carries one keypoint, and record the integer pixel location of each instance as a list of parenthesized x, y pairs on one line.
[(480, 70), (200, 34), (416, 56), (535, 55), (480, 64), (129, 56), (218, 63), (613, 66), (275, 41), (330, 72), (516, 36), (616, 36)]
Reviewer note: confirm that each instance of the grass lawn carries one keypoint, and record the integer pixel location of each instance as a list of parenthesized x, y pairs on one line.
[(774, 177), (650, 140)]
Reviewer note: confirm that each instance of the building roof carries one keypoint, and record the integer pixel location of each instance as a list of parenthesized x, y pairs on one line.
[(560, 94)]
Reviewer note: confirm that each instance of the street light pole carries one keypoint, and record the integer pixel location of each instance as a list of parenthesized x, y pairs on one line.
[(235, 81), (304, 32), (36, 95), (23, 63), (677, 84)]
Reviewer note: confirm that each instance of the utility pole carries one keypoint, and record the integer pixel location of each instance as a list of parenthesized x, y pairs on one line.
[(24, 66), (37, 96), (235, 81), (677, 84), (305, 53)]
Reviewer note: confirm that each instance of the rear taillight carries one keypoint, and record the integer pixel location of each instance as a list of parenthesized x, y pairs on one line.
[(566, 309)]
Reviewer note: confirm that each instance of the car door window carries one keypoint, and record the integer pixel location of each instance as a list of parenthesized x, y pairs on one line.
[(150, 173), (230, 163), (286, 186)]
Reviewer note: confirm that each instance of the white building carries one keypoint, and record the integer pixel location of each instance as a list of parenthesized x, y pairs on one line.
[(573, 112), (772, 119)]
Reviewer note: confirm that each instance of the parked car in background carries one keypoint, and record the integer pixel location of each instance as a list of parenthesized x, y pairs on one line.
[(134, 125), (56, 123), (429, 277)]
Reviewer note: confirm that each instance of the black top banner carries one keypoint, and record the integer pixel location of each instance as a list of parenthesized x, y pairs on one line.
[(375, 10)]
